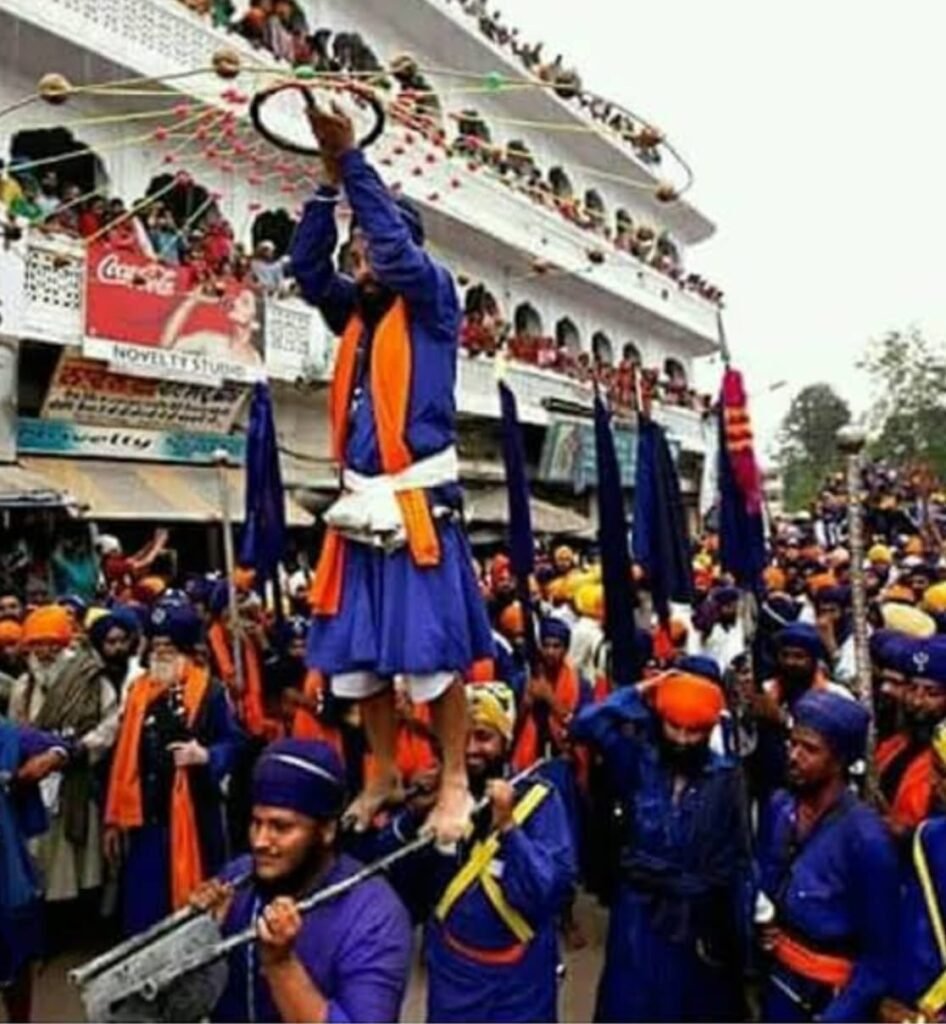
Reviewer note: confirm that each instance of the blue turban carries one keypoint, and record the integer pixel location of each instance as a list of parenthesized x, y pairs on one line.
[(842, 721), (294, 628), (305, 776), (701, 665), (173, 599), (410, 215), (179, 623), (804, 636), (553, 628), (119, 616), (77, 604), (834, 595), (725, 595), (643, 649), (928, 660), (198, 589), (778, 607), (219, 597)]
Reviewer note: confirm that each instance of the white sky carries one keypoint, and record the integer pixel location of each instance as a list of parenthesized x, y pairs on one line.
[(816, 132)]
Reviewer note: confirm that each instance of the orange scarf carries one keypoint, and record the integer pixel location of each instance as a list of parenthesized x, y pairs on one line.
[(306, 725), (249, 703), (911, 803), (567, 691), (123, 806), (390, 386)]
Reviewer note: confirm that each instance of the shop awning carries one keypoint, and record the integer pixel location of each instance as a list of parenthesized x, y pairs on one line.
[(490, 507), (21, 488), (148, 490)]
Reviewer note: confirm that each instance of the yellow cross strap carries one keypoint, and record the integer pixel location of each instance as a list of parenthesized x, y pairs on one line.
[(934, 999), (476, 869)]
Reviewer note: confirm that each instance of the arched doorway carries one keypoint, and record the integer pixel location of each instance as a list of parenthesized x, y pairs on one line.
[(184, 199), (675, 372), (527, 321), (560, 183), (631, 354), (71, 161), (594, 207), (567, 336), (274, 226), (602, 349)]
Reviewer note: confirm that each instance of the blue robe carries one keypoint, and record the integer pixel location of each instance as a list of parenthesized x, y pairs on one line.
[(918, 960), (394, 616), (356, 948), (146, 875), (22, 816), (679, 920), (536, 869), (837, 895)]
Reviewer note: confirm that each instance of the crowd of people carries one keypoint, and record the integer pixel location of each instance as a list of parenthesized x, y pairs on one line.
[(780, 867)]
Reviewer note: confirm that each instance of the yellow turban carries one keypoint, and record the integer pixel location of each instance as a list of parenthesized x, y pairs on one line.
[(880, 554), (905, 619), (939, 742), (492, 705), (934, 599)]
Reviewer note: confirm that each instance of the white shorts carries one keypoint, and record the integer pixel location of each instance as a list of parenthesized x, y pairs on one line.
[(422, 688)]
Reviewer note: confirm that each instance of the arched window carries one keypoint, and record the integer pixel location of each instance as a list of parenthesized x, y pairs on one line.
[(67, 160), (527, 321), (471, 125), (561, 184), (631, 354), (602, 348), (675, 372), (479, 299), (274, 226), (184, 200), (594, 207), (567, 336)]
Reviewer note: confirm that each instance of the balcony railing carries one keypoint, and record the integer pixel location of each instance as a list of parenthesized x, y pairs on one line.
[(160, 37)]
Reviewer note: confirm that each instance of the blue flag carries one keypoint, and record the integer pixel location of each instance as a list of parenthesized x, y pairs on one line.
[(619, 598), (264, 533), (661, 542), (521, 543)]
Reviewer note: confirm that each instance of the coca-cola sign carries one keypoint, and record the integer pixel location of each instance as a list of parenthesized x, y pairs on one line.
[(153, 277)]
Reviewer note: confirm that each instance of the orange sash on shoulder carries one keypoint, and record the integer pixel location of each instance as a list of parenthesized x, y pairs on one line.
[(568, 691), (911, 803), (123, 807), (390, 384), (249, 704), (306, 725)]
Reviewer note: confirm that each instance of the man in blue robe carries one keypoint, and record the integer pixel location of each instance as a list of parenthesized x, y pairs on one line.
[(492, 904), (346, 960), (394, 592), (828, 873), (678, 920), (26, 756), (919, 984)]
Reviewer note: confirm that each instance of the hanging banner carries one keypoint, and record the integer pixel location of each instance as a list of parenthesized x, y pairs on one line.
[(155, 320), (86, 391)]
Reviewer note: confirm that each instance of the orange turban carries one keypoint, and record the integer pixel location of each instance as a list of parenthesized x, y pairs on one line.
[(689, 701), (11, 633), (243, 579), (512, 620), (914, 546), (821, 581), (774, 578), (50, 624)]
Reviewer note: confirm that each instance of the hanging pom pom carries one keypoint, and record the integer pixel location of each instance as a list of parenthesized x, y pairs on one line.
[(226, 62), (54, 88)]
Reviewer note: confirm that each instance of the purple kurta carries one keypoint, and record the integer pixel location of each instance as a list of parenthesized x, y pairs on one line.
[(356, 948)]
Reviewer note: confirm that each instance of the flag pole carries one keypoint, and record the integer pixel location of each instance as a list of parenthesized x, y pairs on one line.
[(220, 460)]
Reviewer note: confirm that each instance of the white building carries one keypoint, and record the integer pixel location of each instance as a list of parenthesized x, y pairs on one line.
[(549, 275)]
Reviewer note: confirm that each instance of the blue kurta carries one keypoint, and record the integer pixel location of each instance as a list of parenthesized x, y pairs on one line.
[(395, 616), (678, 924), (22, 817), (919, 962), (146, 875), (837, 895), (535, 868), (356, 948)]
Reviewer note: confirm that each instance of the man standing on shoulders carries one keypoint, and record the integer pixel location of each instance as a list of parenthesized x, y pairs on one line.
[(346, 960), (394, 592), (829, 876)]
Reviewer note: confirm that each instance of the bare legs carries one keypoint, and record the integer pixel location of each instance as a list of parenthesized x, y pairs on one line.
[(380, 722), (450, 818)]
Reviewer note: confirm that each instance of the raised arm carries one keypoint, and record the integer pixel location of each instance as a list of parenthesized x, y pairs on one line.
[(312, 264)]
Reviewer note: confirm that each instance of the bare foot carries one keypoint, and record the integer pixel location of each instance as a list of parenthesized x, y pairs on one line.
[(450, 819), (376, 794)]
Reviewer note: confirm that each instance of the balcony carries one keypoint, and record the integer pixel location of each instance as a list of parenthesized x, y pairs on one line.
[(161, 37)]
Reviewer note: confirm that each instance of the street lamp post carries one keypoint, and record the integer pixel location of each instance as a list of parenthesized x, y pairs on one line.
[(851, 441)]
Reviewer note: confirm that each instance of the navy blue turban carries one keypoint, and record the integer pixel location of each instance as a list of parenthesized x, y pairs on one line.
[(305, 776), (842, 721), (552, 628), (803, 636), (179, 623)]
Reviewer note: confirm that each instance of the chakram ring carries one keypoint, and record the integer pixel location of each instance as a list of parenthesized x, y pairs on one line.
[(259, 100)]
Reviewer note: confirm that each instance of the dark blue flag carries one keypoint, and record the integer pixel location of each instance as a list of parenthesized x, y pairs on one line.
[(661, 542), (521, 543), (615, 557), (264, 533)]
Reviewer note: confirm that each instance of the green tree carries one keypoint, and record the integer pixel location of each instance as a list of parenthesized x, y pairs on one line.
[(908, 413), (807, 446)]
